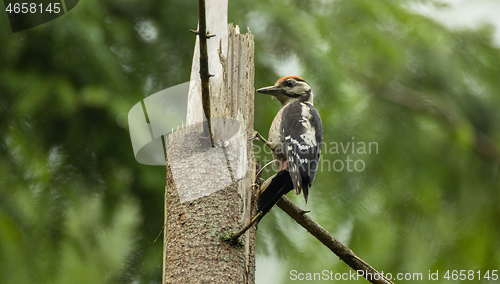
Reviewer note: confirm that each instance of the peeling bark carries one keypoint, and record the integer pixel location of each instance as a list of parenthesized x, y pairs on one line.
[(193, 250)]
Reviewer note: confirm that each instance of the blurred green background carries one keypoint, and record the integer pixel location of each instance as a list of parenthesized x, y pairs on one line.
[(75, 206)]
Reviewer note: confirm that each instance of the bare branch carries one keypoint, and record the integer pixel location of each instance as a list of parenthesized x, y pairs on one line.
[(204, 72), (343, 252)]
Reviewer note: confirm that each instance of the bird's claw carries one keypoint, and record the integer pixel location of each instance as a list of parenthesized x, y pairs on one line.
[(254, 136)]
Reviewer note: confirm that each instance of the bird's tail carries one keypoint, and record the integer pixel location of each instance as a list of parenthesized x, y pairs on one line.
[(280, 185)]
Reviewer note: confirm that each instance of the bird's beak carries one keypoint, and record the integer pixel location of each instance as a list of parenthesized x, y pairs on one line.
[(269, 90)]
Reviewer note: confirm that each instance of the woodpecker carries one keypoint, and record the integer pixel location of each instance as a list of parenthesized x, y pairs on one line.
[(295, 139)]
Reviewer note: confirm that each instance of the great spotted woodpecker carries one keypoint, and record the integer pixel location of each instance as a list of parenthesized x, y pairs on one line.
[(295, 139)]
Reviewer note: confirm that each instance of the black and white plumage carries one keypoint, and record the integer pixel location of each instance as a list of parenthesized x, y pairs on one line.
[(302, 140), (295, 137)]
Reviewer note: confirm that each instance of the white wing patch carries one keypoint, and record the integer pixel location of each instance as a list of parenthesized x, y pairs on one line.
[(309, 136), (301, 146)]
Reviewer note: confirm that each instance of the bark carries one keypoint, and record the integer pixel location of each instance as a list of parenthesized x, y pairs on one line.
[(209, 188)]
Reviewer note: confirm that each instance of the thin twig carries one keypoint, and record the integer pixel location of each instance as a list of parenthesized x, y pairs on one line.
[(343, 252), (260, 171), (256, 175), (255, 219), (204, 72)]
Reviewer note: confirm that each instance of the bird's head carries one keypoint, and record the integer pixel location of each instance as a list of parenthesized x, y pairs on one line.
[(290, 89)]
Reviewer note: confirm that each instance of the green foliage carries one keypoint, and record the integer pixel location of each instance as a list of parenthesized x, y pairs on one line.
[(427, 200), (75, 207)]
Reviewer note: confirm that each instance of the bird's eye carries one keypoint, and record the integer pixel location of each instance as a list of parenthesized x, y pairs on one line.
[(289, 83)]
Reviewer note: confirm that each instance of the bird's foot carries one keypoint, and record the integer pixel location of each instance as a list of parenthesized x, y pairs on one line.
[(255, 136)]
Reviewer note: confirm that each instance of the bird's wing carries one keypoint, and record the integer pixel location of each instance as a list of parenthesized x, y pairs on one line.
[(302, 133)]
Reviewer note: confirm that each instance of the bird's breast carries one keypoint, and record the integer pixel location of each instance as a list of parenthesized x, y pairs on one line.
[(275, 137)]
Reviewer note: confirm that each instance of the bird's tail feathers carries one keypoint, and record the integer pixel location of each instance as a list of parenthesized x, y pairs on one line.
[(306, 191), (280, 185)]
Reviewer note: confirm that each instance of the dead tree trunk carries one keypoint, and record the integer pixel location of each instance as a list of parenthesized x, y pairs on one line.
[(209, 188)]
